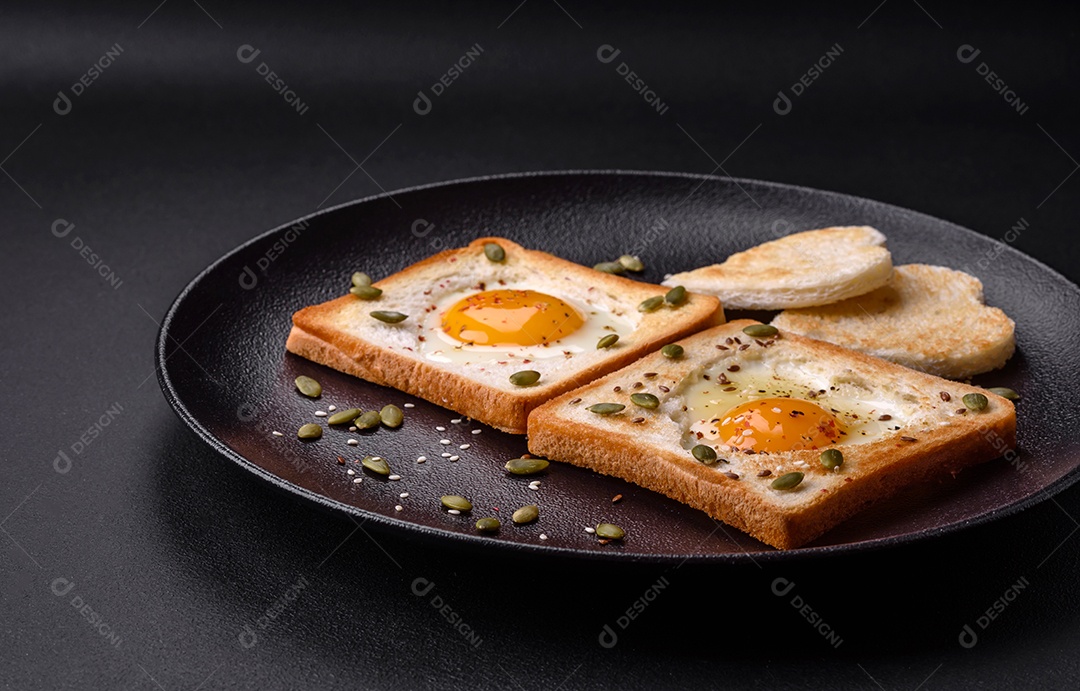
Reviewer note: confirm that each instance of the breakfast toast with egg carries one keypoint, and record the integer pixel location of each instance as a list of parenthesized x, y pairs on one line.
[(492, 330), (929, 318), (776, 434), (815, 267)]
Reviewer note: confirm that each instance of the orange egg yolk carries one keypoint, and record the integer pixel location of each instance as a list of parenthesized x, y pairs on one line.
[(511, 318), (778, 424)]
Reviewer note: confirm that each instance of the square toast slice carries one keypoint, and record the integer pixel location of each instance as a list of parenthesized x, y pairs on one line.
[(414, 357), (902, 427)]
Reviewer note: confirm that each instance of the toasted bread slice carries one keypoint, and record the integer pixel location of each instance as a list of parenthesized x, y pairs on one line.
[(894, 427), (417, 357), (929, 318), (815, 267)]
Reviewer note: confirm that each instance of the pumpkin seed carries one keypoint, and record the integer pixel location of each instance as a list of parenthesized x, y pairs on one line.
[(391, 416), (760, 330), (976, 401), (525, 378), (1005, 393), (526, 514), (368, 420), (376, 464), (309, 431), (610, 531), (488, 525), (651, 304), (308, 386), (360, 278), (611, 268), (607, 341), (675, 296), (787, 481), (343, 416), (704, 453), (631, 263), (526, 466), (494, 251), (672, 350), (454, 501), (366, 292), (606, 408), (645, 400), (832, 458), (390, 317)]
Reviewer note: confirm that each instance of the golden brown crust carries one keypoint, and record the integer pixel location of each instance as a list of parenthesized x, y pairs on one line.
[(321, 333), (617, 446)]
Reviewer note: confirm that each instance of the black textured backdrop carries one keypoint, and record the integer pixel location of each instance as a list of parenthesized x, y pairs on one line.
[(178, 150)]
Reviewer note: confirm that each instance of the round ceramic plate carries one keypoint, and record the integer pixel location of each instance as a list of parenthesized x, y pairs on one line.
[(224, 369)]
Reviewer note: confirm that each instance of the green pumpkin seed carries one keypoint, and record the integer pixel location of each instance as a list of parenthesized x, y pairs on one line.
[(525, 378), (645, 400), (390, 317), (526, 514), (672, 350), (704, 453), (631, 263), (309, 431), (459, 503), (343, 416), (391, 416), (361, 279), (787, 481), (651, 304), (366, 292), (976, 401), (494, 252), (610, 531), (526, 466), (606, 408), (607, 341), (611, 268), (760, 330), (832, 458), (675, 296), (1005, 393), (368, 420), (308, 386), (488, 525), (376, 464)]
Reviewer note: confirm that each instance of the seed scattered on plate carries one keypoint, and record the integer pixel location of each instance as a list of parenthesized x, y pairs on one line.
[(610, 531), (352, 442), (440, 429), (477, 431), (352, 429), (332, 408), (409, 405), (394, 477), (398, 507), (526, 514), (463, 446), (421, 459), (590, 531), (309, 431), (454, 458), (403, 495), (308, 386), (446, 454), (357, 480), (455, 421), (350, 471), (277, 434), (453, 512), (444, 442), (320, 413)]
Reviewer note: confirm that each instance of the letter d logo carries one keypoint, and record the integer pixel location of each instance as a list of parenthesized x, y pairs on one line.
[(782, 586), (61, 464), (422, 586), (968, 637), (247, 53), (61, 228), (62, 104), (607, 53), (247, 637), (966, 53), (62, 586), (422, 104), (608, 638), (248, 279), (782, 104)]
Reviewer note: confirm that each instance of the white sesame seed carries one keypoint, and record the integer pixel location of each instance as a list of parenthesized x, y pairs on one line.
[(453, 512), (403, 495), (352, 442), (350, 471), (277, 434), (456, 421), (477, 431), (398, 507), (352, 429), (777, 410), (421, 459), (357, 480), (440, 429), (444, 442), (332, 408), (320, 413), (410, 405), (543, 536), (395, 477), (464, 446), (454, 458), (747, 432), (445, 454), (590, 531), (535, 483), (534, 488)]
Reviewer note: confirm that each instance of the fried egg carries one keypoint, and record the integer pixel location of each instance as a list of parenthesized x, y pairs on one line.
[(761, 408), (514, 321)]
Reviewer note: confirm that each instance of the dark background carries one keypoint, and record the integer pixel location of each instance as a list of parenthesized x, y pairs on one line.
[(179, 152)]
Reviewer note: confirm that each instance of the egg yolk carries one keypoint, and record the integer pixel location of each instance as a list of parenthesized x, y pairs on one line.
[(778, 424), (511, 318)]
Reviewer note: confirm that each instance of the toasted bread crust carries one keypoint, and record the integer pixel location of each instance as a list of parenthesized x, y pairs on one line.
[(873, 470), (322, 333)]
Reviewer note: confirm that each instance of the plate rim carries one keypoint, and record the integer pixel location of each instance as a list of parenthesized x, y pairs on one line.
[(410, 529)]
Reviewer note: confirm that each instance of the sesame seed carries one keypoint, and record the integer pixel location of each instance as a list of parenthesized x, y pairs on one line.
[(350, 471), (464, 446), (403, 495), (453, 512), (747, 432), (590, 531), (357, 480), (320, 413), (422, 459), (352, 442), (398, 507), (352, 429), (440, 429), (277, 434), (394, 477), (332, 408), (543, 536), (454, 458), (444, 442), (616, 499), (455, 421), (410, 405), (477, 431), (445, 454), (534, 488)]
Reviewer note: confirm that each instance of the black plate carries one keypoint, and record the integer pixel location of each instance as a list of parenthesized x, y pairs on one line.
[(224, 369)]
